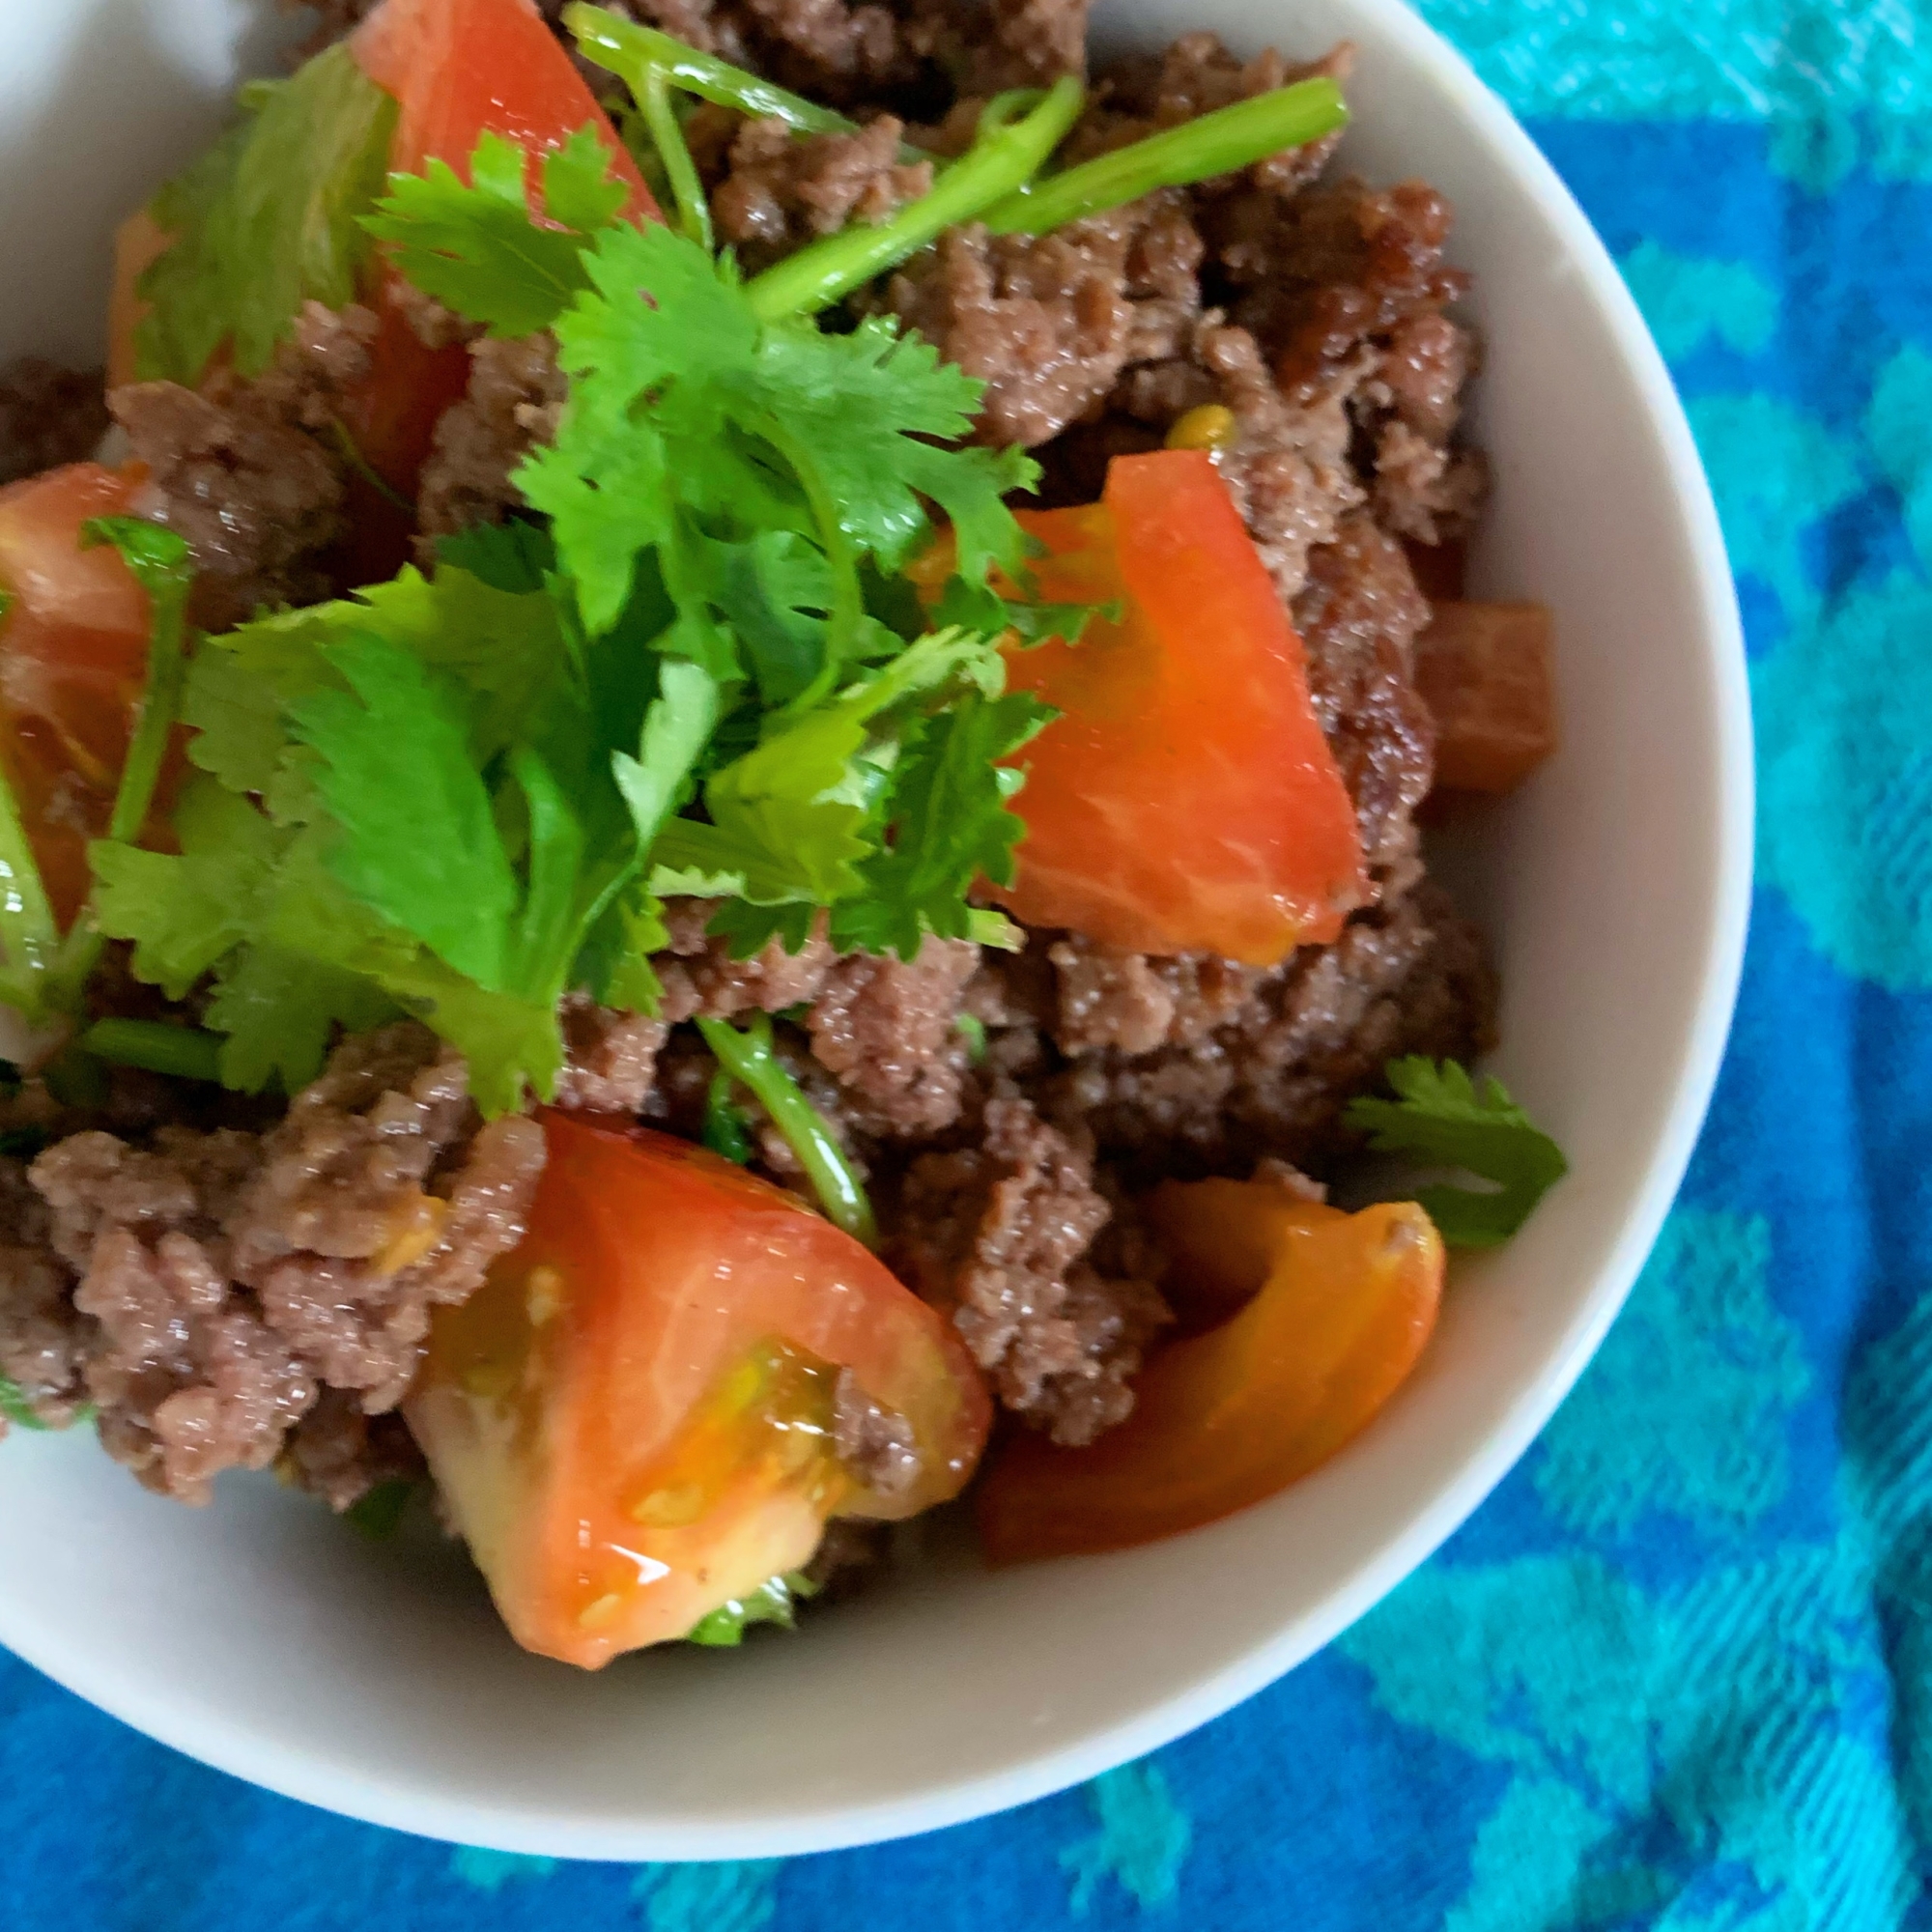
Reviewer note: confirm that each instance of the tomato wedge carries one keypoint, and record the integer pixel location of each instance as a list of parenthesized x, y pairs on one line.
[(633, 1421), (463, 67), (1185, 800), (1339, 1307), (73, 652)]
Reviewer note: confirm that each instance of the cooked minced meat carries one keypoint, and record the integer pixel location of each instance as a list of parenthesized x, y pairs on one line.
[(511, 404), (1273, 1077), (780, 190), (246, 471), (999, 1232), (223, 1283), (48, 415)]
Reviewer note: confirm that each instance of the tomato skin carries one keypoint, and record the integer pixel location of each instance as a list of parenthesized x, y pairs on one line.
[(1338, 1309), (73, 653), (627, 1418), (463, 67), (1187, 798)]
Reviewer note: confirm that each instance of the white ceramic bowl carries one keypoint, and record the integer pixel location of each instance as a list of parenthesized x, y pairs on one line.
[(261, 1637)]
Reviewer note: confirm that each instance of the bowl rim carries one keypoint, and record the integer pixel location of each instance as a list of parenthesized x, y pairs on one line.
[(294, 1772)]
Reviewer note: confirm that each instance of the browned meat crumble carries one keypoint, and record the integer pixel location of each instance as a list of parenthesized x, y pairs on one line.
[(48, 415), (782, 192), (512, 401), (223, 1283), (248, 471)]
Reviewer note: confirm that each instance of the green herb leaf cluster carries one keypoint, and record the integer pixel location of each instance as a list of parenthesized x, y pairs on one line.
[(473, 245), (1444, 1118), (268, 219)]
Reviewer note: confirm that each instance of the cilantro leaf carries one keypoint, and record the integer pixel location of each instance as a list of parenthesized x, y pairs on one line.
[(265, 222), (516, 556), (863, 405), (473, 245), (186, 913), (687, 412), (772, 1603), (1444, 1118), (418, 841), (951, 824), (793, 818), (203, 912), (502, 646)]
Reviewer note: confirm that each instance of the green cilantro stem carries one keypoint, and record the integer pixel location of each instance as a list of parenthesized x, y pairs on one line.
[(1007, 154), (28, 930), (1216, 144), (750, 1060), (160, 560), (162, 563), (694, 210), (723, 1125), (186, 1053), (632, 53)]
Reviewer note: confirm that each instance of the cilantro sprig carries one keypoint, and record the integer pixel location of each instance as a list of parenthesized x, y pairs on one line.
[(1445, 1119)]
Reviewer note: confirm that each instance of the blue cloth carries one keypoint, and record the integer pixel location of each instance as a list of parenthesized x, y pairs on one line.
[(1678, 1672)]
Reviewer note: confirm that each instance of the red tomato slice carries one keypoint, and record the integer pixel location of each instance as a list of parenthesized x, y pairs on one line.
[(1186, 800), (631, 1420), (463, 67), (1338, 1309), (74, 651)]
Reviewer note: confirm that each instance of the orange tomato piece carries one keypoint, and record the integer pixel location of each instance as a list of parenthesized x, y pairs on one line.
[(1339, 1307), (1487, 673), (631, 1419), (463, 67), (1185, 800), (73, 653)]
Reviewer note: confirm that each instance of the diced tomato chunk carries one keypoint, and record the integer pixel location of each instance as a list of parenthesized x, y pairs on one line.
[(74, 650), (633, 1421), (1334, 1311), (1484, 671), (1185, 800), (463, 67)]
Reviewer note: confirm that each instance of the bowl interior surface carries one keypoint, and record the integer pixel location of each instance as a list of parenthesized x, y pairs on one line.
[(261, 1637)]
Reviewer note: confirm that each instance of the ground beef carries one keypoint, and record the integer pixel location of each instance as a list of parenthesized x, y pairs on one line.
[(782, 189), (511, 404), (1048, 323), (49, 416), (609, 1058), (848, 1557), (1411, 977), (246, 471), (221, 1281), (888, 1030), (339, 1452), (1359, 613), (999, 1232), (874, 1443), (702, 979), (1135, 1003)]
